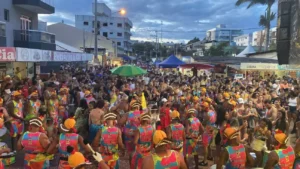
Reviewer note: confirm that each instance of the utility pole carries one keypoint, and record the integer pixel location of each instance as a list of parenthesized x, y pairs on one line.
[(83, 40), (156, 46), (96, 32)]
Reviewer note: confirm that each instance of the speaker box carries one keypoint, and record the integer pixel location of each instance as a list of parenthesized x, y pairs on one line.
[(283, 32)]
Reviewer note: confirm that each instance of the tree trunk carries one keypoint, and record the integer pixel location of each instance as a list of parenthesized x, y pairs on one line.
[(267, 29)]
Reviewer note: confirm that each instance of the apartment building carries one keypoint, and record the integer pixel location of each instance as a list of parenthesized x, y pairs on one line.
[(109, 25), (223, 34), (19, 25), (243, 40), (258, 38)]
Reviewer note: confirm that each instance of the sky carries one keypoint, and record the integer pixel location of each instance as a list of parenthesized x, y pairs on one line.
[(179, 20)]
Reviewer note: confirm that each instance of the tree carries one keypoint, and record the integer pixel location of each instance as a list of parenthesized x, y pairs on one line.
[(193, 40), (273, 46), (217, 50), (265, 20)]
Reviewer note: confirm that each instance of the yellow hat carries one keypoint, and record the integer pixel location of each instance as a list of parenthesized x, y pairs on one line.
[(226, 95), (208, 100), (203, 90), (231, 133), (87, 92), (195, 98), (75, 158), (237, 96), (35, 93), (175, 114), (281, 137), (232, 102), (16, 93), (145, 116), (191, 111), (205, 104), (70, 123), (160, 138)]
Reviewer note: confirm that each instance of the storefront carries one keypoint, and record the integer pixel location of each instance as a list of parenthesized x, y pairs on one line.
[(291, 70), (7, 57), (260, 69)]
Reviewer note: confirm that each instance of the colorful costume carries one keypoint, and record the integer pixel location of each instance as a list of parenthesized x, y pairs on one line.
[(170, 162), (297, 160), (6, 160), (143, 149), (65, 140), (34, 157), (286, 158), (210, 129), (191, 143), (34, 108), (132, 123), (63, 100), (53, 110), (17, 125), (237, 157), (109, 146), (93, 130), (177, 133)]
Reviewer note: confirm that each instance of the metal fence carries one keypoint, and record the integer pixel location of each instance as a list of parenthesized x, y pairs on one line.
[(33, 36)]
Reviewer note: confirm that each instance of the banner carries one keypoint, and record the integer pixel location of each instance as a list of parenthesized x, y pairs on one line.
[(34, 55), (71, 56), (87, 57), (259, 66), (7, 54)]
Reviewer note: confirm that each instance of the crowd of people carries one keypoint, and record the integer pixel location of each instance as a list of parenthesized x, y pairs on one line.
[(90, 118)]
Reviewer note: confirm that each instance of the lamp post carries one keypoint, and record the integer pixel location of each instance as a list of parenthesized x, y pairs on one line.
[(122, 12)]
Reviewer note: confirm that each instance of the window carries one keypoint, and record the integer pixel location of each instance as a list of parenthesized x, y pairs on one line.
[(2, 30), (104, 24), (111, 23), (111, 33), (105, 34), (119, 25), (119, 43), (85, 23), (6, 15), (119, 34)]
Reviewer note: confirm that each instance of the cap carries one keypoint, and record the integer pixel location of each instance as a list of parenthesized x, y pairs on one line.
[(226, 95), (175, 114), (87, 92), (203, 90), (36, 121), (241, 101), (160, 138), (281, 137), (145, 116), (230, 133), (75, 158), (110, 116), (191, 111), (205, 104), (70, 123), (232, 102), (208, 100), (195, 98), (164, 100)]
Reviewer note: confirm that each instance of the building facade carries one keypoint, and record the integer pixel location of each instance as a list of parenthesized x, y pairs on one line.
[(19, 24), (243, 40), (222, 34), (258, 38), (116, 28)]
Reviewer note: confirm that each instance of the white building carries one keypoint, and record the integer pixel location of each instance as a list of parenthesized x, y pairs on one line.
[(243, 40), (258, 38), (223, 34), (110, 26)]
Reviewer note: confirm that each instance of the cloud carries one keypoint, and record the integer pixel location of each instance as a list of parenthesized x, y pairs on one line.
[(182, 19)]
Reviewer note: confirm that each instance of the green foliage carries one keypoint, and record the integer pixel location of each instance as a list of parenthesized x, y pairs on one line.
[(217, 50), (194, 40), (273, 46)]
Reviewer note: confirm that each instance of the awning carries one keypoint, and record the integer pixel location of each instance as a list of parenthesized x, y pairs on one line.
[(197, 66)]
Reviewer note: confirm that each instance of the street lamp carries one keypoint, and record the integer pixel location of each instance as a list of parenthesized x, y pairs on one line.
[(121, 11)]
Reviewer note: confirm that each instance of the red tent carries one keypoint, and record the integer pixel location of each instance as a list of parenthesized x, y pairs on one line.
[(197, 66)]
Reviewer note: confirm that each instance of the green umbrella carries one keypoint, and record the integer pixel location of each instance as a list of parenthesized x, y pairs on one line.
[(128, 71)]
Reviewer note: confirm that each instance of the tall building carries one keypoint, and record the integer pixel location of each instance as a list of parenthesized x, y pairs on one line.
[(110, 26), (243, 40), (258, 38), (19, 24), (222, 34)]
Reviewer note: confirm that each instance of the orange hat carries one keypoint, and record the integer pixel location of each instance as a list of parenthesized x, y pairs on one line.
[(75, 158), (195, 98), (281, 137), (160, 138), (35, 93), (87, 92), (208, 100), (226, 95), (70, 123), (232, 102), (175, 114), (16, 93), (205, 104), (231, 133), (203, 90)]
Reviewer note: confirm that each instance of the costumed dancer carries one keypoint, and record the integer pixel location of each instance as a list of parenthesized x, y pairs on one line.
[(34, 105), (68, 137), (36, 146), (210, 131), (143, 140), (235, 155), (109, 141), (283, 156), (175, 132), (163, 157), (88, 97), (63, 97), (15, 110), (53, 106), (193, 134), (132, 122)]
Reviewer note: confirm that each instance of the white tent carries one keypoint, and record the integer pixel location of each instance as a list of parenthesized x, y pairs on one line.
[(248, 50)]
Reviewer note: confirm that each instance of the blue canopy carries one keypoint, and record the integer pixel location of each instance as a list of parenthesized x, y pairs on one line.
[(157, 62), (171, 62)]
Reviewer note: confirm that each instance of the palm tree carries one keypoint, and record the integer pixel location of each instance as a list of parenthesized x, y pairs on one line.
[(265, 20)]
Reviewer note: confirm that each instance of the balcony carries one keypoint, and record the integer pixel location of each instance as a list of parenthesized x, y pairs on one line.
[(34, 39), (37, 6)]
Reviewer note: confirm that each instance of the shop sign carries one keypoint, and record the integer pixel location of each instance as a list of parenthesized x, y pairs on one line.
[(7, 54), (66, 56), (289, 67), (34, 55), (259, 66), (87, 57)]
